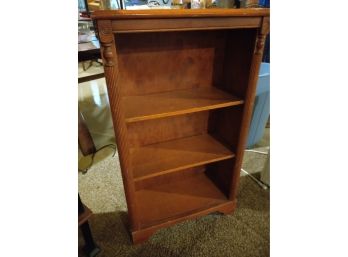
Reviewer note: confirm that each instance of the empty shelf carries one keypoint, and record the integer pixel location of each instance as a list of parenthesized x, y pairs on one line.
[(157, 159), (138, 108), (168, 201)]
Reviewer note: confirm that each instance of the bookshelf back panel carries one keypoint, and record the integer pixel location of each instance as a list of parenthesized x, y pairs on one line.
[(164, 61), (154, 62), (159, 130), (169, 178), (223, 124), (175, 155)]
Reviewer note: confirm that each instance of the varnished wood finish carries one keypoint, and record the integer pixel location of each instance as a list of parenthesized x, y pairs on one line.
[(139, 108), (142, 235), (168, 201), (176, 155), (225, 125), (134, 21), (160, 130), (239, 62), (249, 103), (168, 178), (108, 50), (145, 25), (181, 87), (157, 62), (221, 175), (182, 13)]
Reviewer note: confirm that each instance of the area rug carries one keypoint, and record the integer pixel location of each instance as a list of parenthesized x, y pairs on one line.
[(245, 233)]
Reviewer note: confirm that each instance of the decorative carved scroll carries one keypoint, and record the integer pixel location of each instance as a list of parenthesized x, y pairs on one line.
[(106, 40), (108, 54), (260, 43), (261, 37)]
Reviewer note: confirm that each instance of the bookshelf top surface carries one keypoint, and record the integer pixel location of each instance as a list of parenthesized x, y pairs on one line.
[(179, 13)]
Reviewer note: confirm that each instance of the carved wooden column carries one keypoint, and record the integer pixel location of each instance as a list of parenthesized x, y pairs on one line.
[(109, 55), (249, 103)]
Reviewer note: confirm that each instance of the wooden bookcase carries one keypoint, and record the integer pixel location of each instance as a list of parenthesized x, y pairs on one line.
[(181, 86)]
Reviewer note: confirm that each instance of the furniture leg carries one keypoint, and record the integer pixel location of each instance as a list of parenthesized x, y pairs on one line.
[(90, 248)]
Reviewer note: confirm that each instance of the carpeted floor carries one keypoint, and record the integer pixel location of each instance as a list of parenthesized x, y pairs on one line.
[(242, 234)]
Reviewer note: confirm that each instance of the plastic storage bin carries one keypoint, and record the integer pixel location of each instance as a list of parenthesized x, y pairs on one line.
[(261, 106)]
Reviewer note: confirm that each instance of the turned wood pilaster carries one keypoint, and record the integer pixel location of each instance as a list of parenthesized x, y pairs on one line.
[(249, 103), (109, 55)]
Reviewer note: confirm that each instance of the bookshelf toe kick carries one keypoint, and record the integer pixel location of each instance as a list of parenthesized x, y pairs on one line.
[(143, 234)]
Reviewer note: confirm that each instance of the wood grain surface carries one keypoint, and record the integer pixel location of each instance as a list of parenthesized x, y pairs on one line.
[(182, 13), (165, 201), (176, 155), (138, 108), (181, 97)]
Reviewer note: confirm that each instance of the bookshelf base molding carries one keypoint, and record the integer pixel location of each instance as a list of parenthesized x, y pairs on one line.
[(142, 235)]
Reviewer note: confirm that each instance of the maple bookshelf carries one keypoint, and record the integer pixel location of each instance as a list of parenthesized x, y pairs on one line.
[(181, 85)]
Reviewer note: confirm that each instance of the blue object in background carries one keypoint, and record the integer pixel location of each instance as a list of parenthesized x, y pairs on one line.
[(261, 106), (264, 3)]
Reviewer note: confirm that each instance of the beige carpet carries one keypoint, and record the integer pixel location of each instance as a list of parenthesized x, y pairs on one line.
[(242, 234)]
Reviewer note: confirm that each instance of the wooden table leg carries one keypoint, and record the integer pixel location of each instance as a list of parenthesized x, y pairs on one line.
[(90, 248)]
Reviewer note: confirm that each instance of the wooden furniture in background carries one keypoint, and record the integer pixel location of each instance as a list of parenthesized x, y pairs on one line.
[(181, 85), (89, 51), (90, 248)]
